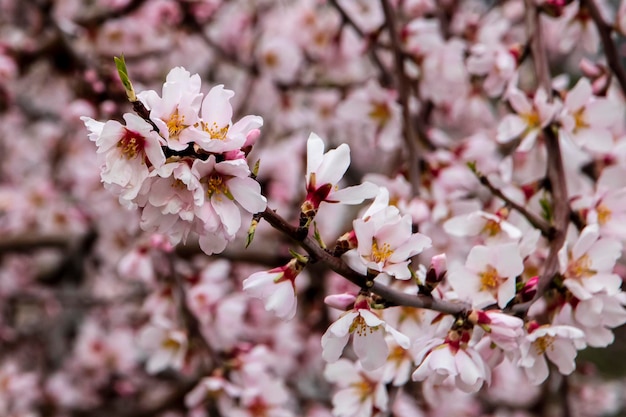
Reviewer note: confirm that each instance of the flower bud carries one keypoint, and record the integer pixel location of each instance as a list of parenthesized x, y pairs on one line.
[(530, 289), (343, 301)]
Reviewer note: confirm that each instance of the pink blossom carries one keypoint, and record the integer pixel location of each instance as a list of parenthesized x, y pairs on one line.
[(587, 264), (360, 392), (386, 243), (276, 288), (369, 332), (215, 132), (323, 173), (528, 120), (452, 358), (558, 343), (178, 108), (130, 151), (587, 119), (488, 275)]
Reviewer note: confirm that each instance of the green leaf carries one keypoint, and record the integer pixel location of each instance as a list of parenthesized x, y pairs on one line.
[(546, 209), (251, 232), (317, 236), (122, 71)]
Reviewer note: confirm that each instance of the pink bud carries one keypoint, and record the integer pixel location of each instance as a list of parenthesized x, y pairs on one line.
[(438, 263), (590, 69), (530, 289), (251, 138), (343, 301)]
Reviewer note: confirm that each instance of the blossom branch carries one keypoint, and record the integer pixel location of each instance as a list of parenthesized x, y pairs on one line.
[(555, 171), (392, 296), (403, 88), (610, 49), (546, 229), (385, 77)]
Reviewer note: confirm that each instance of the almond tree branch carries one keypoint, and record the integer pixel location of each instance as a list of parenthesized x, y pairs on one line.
[(336, 264), (610, 49), (403, 88), (385, 77), (555, 171), (546, 229)]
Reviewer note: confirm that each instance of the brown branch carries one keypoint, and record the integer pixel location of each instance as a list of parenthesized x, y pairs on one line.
[(610, 49), (403, 88), (546, 229), (555, 171), (390, 295), (385, 77)]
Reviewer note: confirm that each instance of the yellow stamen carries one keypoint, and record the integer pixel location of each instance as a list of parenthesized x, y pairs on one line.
[(382, 253), (543, 343), (131, 144), (604, 214), (491, 228), (489, 279), (214, 130), (580, 268), (175, 124), (215, 185), (380, 113)]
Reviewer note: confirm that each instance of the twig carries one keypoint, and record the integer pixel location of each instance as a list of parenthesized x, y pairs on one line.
[(385, 77), (610, 49), (392, 296), (403, 88), (555, 170), (546, 229)]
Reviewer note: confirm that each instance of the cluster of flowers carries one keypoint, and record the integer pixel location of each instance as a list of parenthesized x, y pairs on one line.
[(184, 164), (190, 173)]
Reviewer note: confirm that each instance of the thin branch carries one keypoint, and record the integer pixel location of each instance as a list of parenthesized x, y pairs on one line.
[(546, 229), (385, 77), (392, 296), (403, 88), (555, 170), (610, 49)]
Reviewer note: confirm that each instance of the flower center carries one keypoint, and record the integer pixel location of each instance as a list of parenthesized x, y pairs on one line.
[(543, 343), (214, 130), (216, 185), (531, 119), (579, 119), (380, 113), (580, 268), (258, 408), (491, 228), (604, 214), (364, 388), (489, 279), (131, 144), (175, 124), (360, 327), (381, 253)]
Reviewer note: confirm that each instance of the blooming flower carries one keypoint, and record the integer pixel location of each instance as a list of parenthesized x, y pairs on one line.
[(227, 187), (558, 343), (360, 392), (276, 288), (529, 119), (452, 358), (488, 275), (178, 108), (323, 173), (587, 266), (386, 243), (369, 336), (586, 119), (215, 132), (167, 346), (129, 151)]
